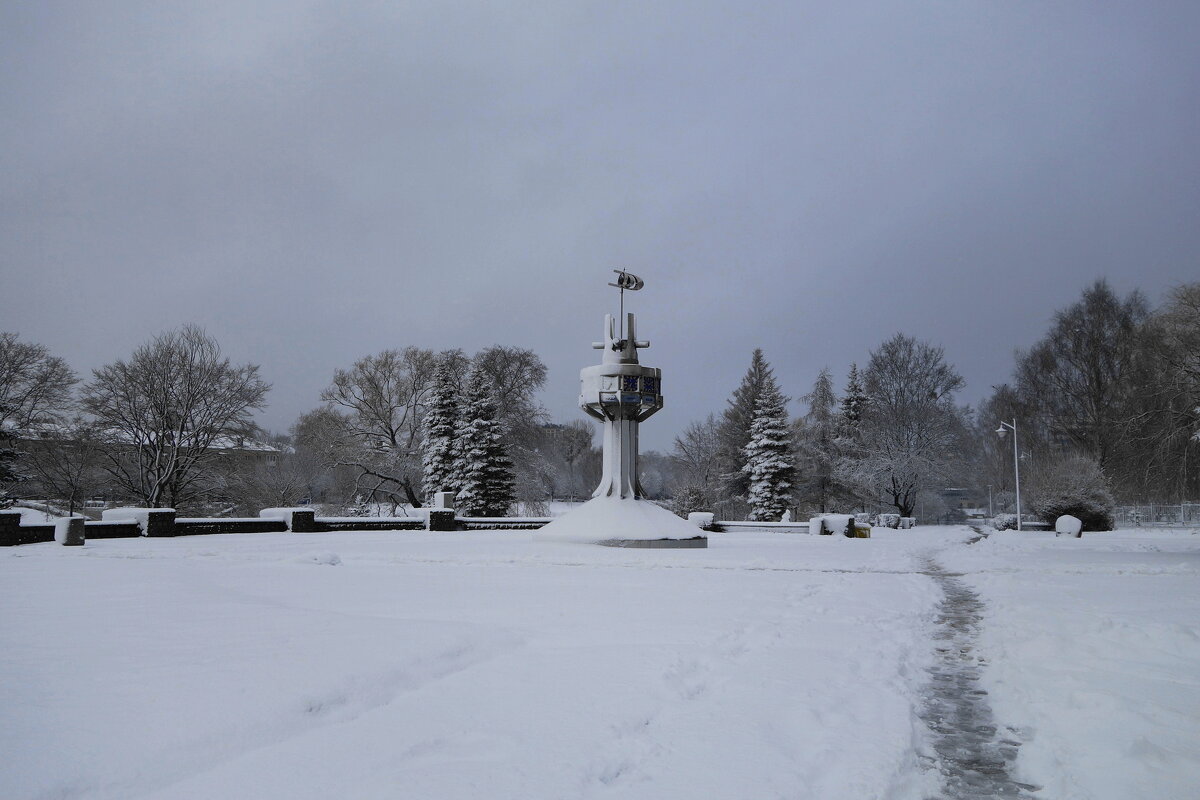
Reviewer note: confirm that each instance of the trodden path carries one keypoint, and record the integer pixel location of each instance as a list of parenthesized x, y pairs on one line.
[(973, 756)]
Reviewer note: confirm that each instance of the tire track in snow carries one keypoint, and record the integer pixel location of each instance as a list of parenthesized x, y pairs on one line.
[(973, 757)]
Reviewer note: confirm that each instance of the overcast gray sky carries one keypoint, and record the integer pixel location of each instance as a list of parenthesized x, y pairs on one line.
[(316, 181)]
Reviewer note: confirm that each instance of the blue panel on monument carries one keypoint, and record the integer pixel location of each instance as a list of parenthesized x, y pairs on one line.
[(629, 383)]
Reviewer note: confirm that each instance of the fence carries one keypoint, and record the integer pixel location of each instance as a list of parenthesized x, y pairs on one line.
[(1183, 515)]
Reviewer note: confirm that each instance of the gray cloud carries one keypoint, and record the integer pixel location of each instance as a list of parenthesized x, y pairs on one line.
[(316, 181)]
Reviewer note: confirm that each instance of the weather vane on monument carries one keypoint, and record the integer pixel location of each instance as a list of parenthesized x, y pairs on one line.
[(626, 280)]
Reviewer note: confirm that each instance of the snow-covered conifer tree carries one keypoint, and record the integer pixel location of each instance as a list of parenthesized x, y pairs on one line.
[(485, 473), (440, 427), (817, 443), (854, 402), (733, 430), (769, 462)]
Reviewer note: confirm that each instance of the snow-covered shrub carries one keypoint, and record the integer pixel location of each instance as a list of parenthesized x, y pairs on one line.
[(1073, 486), (889, 520), (864, 518), (1066, 524), (1005, 522)]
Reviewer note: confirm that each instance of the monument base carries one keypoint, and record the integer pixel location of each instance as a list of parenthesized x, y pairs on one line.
[(698, 541), (617, 522)]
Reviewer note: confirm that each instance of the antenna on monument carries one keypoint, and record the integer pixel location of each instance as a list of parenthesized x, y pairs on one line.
[(626, 280)]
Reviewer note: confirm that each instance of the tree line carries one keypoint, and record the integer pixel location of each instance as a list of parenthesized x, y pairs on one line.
[(1107, 404), (172, 425), (893, 436)]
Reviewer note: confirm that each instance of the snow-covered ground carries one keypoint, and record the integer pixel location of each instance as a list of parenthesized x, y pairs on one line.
[(417, 665), (1094, 652), (31, 516)]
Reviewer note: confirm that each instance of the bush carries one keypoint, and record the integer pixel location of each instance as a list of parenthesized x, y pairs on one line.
[(1074, 486), (688, 499), (1094, 515), (1005, 522)]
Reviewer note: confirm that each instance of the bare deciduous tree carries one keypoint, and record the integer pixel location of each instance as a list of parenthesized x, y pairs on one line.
[(697, 452), (375, 428), (1078, 376), (293, 479), (1161, 448), (912, 436), (35, 387), (166, 410), (35, 390), (67, 462)]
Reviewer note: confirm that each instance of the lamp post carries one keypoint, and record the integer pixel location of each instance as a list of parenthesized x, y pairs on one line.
[(991, 513), (1004, 428)]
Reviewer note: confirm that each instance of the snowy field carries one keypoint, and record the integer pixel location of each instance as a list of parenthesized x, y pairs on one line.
[(483, 665)]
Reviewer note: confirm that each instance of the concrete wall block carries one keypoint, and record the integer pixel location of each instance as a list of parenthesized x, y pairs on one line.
[(69, 531), (442, 519)]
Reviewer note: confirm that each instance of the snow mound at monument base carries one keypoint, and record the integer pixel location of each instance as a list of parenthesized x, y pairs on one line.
[(621, 523)]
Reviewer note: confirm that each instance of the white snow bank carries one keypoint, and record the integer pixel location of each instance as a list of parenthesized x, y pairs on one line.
[(604, 519)]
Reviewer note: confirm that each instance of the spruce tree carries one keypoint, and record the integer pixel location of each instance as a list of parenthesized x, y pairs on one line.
[(769, 464), (848, 445), (733, 433), (441, 421), (854, 402), (485, 473), (818, 441)]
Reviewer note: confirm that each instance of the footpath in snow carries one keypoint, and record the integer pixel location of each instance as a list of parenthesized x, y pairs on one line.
[(385, 665)]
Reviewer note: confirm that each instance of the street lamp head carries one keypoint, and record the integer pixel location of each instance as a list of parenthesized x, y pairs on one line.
[(1001, 431)]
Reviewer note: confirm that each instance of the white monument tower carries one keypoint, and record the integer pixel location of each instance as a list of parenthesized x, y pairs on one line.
[(621, 393)]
